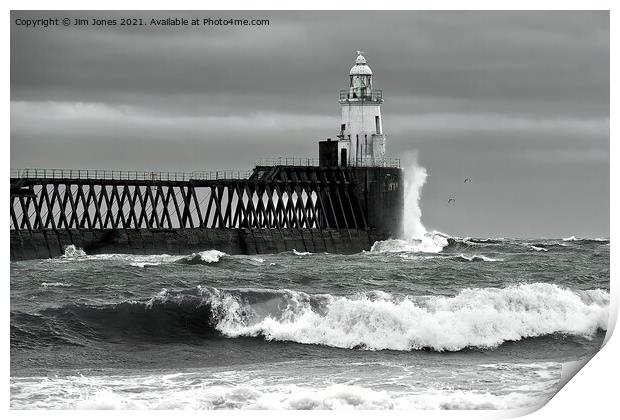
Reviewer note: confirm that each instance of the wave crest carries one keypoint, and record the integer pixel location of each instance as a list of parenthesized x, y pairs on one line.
[(585, 240), (432, 242), (205, 257), (481, 317), (72, 251), (474, 318)]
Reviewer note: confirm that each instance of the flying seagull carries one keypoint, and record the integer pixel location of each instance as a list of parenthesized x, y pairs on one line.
[(451, 200), (467, 180)]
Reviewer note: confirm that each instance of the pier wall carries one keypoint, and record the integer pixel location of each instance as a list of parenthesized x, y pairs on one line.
[(27, 245)]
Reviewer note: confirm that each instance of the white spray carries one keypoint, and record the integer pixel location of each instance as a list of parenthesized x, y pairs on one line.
[(415, 236), (415, 178)]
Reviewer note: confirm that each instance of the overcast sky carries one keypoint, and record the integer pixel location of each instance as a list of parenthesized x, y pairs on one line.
[(516, 101)]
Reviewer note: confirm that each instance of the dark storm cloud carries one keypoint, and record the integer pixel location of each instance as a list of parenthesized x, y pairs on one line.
[(520, 98), (537, 57)]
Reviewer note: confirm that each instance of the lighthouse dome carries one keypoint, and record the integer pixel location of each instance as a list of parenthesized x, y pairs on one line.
[(360, 68)]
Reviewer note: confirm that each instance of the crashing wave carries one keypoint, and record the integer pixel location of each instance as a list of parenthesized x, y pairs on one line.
[(71, 251), (205, 257), (435, 242), (474, 318), (432, 242), (479, 317), (416, 237)]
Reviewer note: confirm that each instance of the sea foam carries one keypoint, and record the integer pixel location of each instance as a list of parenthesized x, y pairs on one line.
[(231, 390), (211, 256), (71, 251), (301, 253), (432, 242), (538, 248), (484, 318), (476, 258)]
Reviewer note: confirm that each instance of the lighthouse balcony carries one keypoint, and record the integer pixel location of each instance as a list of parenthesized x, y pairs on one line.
[(361, 95)]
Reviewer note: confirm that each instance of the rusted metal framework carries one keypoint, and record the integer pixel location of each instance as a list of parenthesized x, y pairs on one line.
[(271, 197)]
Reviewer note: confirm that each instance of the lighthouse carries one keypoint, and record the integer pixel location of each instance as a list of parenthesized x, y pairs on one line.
[(361, 141)]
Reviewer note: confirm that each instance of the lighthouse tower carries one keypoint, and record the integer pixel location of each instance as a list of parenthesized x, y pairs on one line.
[(361, 141)]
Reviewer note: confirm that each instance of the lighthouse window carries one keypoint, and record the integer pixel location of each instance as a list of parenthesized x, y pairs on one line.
[(378, 124), (343, 127)]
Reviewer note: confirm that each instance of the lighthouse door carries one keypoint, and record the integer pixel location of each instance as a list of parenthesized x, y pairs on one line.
[(343, 157)]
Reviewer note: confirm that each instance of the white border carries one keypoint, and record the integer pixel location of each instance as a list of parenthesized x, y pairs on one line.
[(593, 393)]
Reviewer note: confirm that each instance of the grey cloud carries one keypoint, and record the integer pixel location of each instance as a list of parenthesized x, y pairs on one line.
[(520, 98)]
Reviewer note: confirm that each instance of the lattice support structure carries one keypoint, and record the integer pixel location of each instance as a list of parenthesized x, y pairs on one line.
[(278, 197)]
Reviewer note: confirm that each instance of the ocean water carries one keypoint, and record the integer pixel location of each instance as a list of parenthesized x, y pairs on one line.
[(431, 323)]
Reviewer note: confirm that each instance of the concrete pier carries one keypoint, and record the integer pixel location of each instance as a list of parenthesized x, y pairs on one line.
[(272, 209)]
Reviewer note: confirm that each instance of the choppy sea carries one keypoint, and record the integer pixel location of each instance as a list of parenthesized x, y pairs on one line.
[(438, 323)]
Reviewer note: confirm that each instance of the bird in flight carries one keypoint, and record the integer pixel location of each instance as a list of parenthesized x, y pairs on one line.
[(451, 200), (467, 180)]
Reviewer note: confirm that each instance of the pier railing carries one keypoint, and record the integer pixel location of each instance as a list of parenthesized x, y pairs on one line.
[(360, 162), (127, 175), (371, 162), (287, 161), (104, 174)]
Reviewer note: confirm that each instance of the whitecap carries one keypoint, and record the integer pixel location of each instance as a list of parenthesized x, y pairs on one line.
[(72, 251), (538, 248), (211, 256), (428, 243), (477, 258), (479, 317), (144, 264), (301, 253)]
